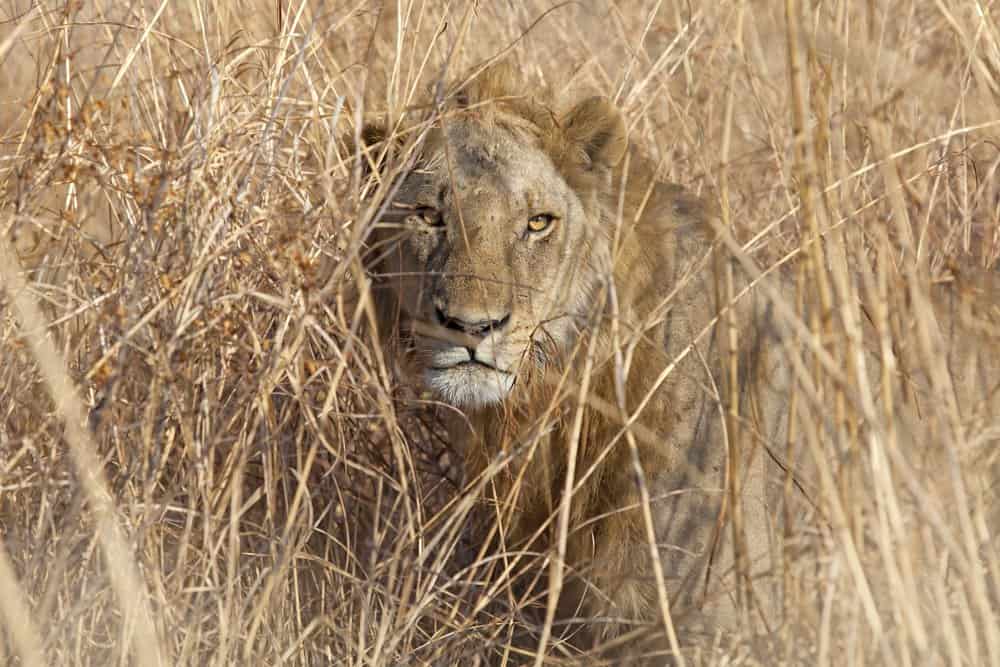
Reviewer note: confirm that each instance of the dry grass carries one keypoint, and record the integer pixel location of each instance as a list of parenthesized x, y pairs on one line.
[(203, 456)]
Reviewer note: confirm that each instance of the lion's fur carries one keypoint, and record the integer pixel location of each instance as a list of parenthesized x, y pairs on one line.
[(656, 249), (645, 275)]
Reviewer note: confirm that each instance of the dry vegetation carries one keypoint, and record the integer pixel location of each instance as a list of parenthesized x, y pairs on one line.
[(205, 458)]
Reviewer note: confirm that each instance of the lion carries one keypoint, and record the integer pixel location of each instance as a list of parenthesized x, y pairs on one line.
[(538, 278)]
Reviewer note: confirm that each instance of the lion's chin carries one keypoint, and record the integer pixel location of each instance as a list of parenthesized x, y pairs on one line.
[(469, 384)]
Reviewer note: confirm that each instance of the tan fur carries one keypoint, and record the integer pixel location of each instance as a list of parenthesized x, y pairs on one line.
[(650, 264), (625, 283)]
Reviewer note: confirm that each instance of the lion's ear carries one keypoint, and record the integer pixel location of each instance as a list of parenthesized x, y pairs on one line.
[(597, 126), (372, 134), (498, 81), (372, 150)]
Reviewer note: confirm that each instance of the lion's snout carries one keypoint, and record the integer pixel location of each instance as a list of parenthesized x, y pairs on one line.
[(470, 362), (472, 322)]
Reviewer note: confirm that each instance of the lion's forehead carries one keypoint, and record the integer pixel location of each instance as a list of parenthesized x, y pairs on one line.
[(473, 158)]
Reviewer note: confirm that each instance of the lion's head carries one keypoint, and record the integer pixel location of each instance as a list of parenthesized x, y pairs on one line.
[(496, 240)]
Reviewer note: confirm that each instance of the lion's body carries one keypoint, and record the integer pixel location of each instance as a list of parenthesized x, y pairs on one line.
[(533, 255), (617, 294)]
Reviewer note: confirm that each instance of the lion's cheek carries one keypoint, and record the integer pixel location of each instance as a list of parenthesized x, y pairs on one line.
[(504, 352), (410, 276)]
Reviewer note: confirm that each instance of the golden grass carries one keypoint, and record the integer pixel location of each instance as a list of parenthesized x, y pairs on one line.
[(204, 458)]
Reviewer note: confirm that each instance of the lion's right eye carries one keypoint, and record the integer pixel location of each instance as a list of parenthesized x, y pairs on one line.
[(430, 216), (541, 222)]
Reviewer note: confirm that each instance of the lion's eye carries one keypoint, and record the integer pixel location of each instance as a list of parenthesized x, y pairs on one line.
[(430, 216), (541, 222)]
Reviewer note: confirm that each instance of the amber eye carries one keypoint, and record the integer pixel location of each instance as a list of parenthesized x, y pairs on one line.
[(541, 222), (430, 216)]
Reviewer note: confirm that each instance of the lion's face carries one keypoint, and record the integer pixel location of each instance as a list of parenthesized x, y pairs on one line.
[(489, 247)]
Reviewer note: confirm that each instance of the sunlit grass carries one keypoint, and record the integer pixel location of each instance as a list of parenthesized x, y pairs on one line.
[(204, 454)]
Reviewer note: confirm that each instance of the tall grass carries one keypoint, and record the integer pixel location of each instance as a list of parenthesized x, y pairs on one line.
[(205, 457)]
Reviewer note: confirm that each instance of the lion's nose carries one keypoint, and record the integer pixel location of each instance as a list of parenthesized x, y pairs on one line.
[(467, 325)]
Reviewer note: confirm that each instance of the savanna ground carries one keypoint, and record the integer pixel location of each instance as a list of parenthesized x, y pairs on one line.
[(204, 457)]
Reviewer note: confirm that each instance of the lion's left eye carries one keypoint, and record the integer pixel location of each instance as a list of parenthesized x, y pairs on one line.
[(541, 222), (430, 216)]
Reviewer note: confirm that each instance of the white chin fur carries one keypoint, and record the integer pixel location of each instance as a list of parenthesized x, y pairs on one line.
[(469, 386)]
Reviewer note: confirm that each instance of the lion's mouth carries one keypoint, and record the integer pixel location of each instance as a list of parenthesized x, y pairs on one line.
[(468, 382), (460, 358)]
